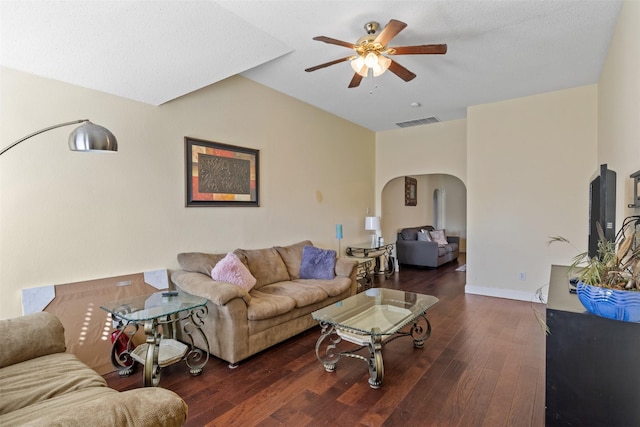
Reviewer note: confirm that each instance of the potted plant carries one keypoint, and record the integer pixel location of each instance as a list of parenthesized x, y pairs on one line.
[(609, 283)]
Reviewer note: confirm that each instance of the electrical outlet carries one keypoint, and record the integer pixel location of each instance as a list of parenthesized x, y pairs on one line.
[(523, 276)]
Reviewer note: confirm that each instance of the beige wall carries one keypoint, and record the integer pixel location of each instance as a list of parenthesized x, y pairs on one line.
[(67, 217), (619, 107), (529, 163)]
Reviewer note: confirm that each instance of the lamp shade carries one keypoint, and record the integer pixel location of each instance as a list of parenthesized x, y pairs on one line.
[(88, 137), (372, 223), (91, 137)]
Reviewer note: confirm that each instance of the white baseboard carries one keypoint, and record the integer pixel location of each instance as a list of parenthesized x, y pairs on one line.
[(502, 293)]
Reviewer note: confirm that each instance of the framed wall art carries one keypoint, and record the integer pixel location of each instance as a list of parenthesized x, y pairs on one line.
[(220, 174), (410, 191)]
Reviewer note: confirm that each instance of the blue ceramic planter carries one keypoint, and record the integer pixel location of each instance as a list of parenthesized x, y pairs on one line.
[(610, 303)]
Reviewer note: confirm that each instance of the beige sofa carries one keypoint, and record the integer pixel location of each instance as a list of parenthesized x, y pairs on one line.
[(240, 323), (41, 385)]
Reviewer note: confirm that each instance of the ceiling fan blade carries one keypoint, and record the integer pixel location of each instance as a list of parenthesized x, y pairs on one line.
[(419, 50), (334, 41), (390, 31), (326, 64), (355, 81), (401, 72)]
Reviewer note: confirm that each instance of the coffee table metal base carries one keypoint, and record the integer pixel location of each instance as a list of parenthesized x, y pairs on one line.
[(328, 353)]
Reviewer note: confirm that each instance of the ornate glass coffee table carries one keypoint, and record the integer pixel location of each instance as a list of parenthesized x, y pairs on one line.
[(159, 314), (371, 319)]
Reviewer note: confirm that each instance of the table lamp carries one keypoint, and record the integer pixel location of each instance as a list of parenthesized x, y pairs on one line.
[(372, 223)]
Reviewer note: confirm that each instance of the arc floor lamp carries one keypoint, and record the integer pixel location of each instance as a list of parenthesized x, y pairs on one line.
[(87, 137)]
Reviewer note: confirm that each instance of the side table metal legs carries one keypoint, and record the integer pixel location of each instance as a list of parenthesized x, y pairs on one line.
[(154, 329), (121, 348), (151, 368), (196, 358)]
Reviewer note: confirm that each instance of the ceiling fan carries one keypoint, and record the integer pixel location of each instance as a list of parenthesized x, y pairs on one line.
[(370, 51)]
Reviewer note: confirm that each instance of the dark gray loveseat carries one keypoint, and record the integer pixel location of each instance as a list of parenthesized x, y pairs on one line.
[(412, 251)]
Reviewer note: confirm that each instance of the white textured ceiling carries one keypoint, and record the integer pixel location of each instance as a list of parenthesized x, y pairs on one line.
[(156, 51)]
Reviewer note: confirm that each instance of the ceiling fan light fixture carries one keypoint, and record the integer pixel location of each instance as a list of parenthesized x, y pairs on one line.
[(359, 66), (370, 51), (381, 66), (371, 60)]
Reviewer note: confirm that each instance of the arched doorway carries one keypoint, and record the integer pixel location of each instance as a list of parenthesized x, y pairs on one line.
[(441, 202)]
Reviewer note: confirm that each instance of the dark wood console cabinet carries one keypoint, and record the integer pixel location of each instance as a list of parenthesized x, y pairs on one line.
[(592, 363)]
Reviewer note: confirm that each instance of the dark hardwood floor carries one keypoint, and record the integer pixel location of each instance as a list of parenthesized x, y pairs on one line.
[(482, 366)]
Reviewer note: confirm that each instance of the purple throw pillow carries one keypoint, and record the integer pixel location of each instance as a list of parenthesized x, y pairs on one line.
[(317, 263)]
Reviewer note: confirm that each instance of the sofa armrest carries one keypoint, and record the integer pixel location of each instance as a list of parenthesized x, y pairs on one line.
[(141, 407), (219, 293), (30, 336), (345, 267)]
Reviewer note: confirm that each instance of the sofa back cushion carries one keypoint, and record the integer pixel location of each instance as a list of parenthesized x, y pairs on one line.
[(199, 262), (292, 257), (265, 265), (411, 233)]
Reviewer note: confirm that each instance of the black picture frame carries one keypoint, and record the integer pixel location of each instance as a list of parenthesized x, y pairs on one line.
[(221, 174)]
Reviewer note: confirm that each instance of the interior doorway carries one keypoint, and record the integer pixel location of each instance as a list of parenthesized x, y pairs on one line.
[(439, 206), (441, 202)]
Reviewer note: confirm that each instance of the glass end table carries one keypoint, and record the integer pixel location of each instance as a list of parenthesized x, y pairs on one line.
[(371, 319), (376, 251), (155, 312)]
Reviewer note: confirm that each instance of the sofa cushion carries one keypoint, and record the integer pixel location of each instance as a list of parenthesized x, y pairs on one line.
[(409, 233), (334, 287), (318, 263), (265, 265), (43, 378), (264, 305), (303, 294), (231, 270), (199, 262), (292, 257)]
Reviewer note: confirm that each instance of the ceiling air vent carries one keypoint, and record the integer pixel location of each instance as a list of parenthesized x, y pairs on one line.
[(425, 121)]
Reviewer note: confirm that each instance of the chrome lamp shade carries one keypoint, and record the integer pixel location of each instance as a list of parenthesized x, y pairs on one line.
[(87, 137), (91, 137)]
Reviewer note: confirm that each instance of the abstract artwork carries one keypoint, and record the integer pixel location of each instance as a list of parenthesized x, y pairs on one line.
[(221, 174)]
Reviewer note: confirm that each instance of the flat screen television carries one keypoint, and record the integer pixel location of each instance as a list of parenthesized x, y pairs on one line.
[(602, 207)]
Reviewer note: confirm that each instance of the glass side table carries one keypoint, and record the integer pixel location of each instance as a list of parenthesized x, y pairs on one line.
[(376, 251), (363, 272), (159, 314)]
